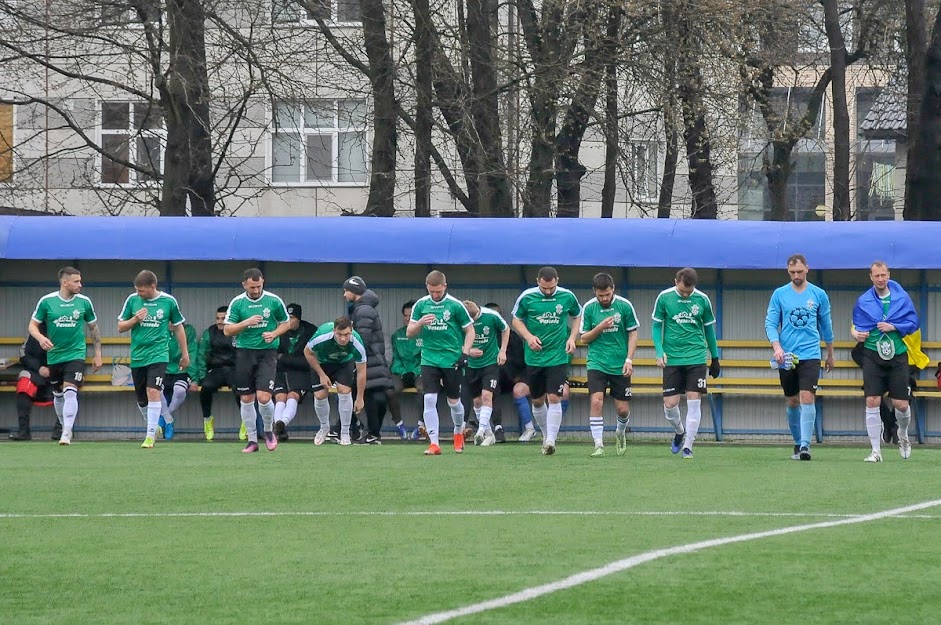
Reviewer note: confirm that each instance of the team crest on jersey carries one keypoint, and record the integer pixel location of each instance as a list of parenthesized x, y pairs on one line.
[(558, 309), (417, 342), (159, 314), (811, 303), (486, 330), (266, 313), (76, 314), (695, 309), (617, 317), (447, 315)]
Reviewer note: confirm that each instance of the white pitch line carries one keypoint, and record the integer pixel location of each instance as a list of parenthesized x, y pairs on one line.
[(432, 513), (628, 563)]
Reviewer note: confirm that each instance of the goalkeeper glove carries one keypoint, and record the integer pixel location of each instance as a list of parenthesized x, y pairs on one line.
[(461, 362), (714, 368)]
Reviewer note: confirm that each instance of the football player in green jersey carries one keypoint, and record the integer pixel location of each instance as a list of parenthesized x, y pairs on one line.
[(483, 367), (256, 319), (542, 316), (65, 313), (447, 334), (150, 315), (609, 327), (683, 333)]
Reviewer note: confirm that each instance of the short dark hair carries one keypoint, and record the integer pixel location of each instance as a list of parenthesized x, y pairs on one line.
[(252, 274), (493, 306), (222, 309), (796, 258), (602, 281), (145, 278), (409, 304), (342, 323), (69, 271), (547, 273), (687, 275)]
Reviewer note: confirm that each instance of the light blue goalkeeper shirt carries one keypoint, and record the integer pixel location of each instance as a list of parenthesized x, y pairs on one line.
[(799, 320)]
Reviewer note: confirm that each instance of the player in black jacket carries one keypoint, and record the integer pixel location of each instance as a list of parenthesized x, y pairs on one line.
[(32, 387), (293, 378)]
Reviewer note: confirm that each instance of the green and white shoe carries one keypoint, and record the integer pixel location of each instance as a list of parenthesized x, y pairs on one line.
[(598, 453), (620, 440)]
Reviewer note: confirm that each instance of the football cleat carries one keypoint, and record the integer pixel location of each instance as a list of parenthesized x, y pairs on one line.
[(875, 456), (209, 428), (620, 443), (243, 433), (905, 448), (251, 448), (433, 450), (489, 439), (271, 441), (687, 453), (148, 443), (804, 453), (321, 436), (597, 453), (528, 434), (677, 444), (458, 443)]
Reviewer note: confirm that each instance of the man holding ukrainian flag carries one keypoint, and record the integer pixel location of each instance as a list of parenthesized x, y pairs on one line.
[(883, 318)]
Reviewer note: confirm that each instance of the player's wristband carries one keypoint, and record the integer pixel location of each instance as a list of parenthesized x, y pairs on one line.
[(628, 361)]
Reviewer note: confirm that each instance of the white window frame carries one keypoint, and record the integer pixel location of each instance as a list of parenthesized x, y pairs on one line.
[(645, 174), (303, 17), (304, 132), (132, 134)]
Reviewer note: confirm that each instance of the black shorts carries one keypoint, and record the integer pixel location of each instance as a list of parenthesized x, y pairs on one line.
[(149, 376), (254, 370), (342, 373), (406, 380), (482, 379), (172, 379), (680, 379), (293, 381), (72, 371), (434, 379), (546, 379), (803, 377), (599, 382), (880, 375), (220, 376)]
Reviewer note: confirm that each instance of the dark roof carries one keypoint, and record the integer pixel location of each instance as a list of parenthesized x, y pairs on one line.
[(565, 242), (887, 117)]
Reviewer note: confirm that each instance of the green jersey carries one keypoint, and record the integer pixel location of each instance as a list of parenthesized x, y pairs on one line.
[(608, 351), (488, 331), (173, 367), (406, 353), (684, 322), (65, 325), (273, 313), (149, 342), (544, 316), (875, 335), (329, 352), (442, 340)]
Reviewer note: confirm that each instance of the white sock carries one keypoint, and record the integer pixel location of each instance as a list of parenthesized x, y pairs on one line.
[(673, 416), (153, 418), (290, 411), (248, 418), (58, 402), (457, 416), (622, 422), (540, 416), (477, 412), (904, 420), (279, 411), (267, 414), (874, 428), (483, 417), (69, 408), (430, 414), (345, 407), (179, 396), (596, 425), (165, 409), (322, 410), (693, 417), (553, 422), (143, 411)]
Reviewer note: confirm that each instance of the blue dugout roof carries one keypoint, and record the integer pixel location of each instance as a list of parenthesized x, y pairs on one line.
[(589, 242)]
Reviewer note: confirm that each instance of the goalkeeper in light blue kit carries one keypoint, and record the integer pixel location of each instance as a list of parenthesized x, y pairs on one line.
[(798, 318)]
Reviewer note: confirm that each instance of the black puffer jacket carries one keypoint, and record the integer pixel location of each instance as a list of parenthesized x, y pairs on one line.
[(366, 321)]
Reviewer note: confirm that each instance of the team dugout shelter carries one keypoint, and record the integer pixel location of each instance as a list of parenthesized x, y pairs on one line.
[(305, 260)]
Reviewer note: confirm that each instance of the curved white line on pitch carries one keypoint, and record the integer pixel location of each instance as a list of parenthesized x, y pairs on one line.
[(628, 563), (393, 513)]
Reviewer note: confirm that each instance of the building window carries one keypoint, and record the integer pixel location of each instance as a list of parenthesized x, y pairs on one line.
[(319, 141), (131, 132), (805, 193), (339, 11), (6, 143), (644, 165)]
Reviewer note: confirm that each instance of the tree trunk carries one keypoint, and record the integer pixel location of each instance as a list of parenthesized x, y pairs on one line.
[(924, 157), (672, 156), (916, 42), (423, 113), (381, 75), (495, 197), (841, 118), (698, 144), (611, 117), (778, 172), (188, 164)]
